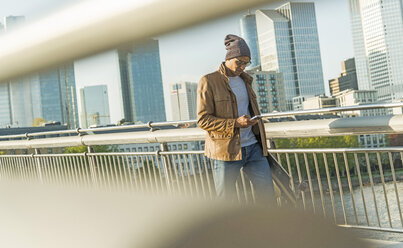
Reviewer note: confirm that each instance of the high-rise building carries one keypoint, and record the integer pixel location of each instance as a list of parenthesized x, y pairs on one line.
[(67, 82), (249, 33), (5, 110), (377, 29), (141, 79), (347, 78), (25, 103), (94, 105), (1, 29), (183, 101), (11, 22), (269, 89), (289, 44), (49, 95)]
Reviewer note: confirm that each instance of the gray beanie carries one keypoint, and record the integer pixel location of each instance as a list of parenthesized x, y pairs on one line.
[(236, 47)]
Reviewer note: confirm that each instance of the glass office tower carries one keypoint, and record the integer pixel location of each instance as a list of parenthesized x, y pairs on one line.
[(183, 101), (49, 95), (289, 43), (67, 82), (377, 28), (25, 101), (141, 79), (249, 33), (95, 105), (11, 22), (1, 29), (5, 110)]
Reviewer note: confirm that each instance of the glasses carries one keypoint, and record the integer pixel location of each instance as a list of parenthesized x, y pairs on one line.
[(240, 62)]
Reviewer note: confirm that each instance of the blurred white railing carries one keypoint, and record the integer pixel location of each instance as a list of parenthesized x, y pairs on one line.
[(98, 25), (157, 133)]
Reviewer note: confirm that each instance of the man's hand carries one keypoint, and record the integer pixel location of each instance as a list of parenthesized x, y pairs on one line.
[(245, 121)]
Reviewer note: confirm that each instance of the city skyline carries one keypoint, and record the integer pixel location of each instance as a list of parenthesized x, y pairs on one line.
[(193, 63)]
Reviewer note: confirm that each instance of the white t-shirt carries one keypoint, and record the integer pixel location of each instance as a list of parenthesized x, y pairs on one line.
[(239, 88)]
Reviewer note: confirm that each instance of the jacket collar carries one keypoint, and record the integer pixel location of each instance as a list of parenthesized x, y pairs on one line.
[(245, 76)]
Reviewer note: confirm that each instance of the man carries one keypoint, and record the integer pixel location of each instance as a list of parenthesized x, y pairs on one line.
[(225, 104)]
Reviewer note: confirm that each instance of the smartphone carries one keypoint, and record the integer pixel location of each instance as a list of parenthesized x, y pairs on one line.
[(256, 117)]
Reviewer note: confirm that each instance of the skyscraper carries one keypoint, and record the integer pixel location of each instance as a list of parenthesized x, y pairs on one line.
[(49, 95), (67, 82), (377, 28), (249, 33), (1, 28), (183, 100), (141, 79), (11, 22), (25, 102), (94, 105), (5, 110), (289, 43)]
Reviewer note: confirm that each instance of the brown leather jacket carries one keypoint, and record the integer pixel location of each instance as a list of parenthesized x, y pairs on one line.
[(217, 112)]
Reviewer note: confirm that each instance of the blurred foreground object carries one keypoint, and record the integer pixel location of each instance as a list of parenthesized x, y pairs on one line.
[(94, 26), (37, 216)]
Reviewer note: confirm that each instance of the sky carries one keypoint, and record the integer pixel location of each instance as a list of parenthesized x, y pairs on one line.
[(188, 54)]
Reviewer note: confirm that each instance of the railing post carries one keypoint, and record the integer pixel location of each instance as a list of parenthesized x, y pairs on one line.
[(38, 165), (166, 164), (91, 165)]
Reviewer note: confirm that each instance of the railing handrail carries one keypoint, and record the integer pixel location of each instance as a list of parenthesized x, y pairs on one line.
[(151, 124), (309, 128)]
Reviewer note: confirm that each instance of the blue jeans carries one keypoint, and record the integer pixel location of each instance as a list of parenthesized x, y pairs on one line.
[(254, 165)]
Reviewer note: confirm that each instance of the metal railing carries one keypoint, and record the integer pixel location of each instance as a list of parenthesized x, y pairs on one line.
[(354, 187), (377, 121), (389, 124)]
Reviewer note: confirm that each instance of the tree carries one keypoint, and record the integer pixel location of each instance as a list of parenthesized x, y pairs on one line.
[(38, 122), (82, 149), (319, 142), (395, 140)]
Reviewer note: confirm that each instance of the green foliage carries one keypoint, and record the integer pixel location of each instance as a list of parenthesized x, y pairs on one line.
[(318, 142), (82, 149), (38, 122), (309, 159)]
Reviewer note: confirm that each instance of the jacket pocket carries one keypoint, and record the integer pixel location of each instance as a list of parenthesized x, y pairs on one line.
[(223, 106), (220, 136)]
